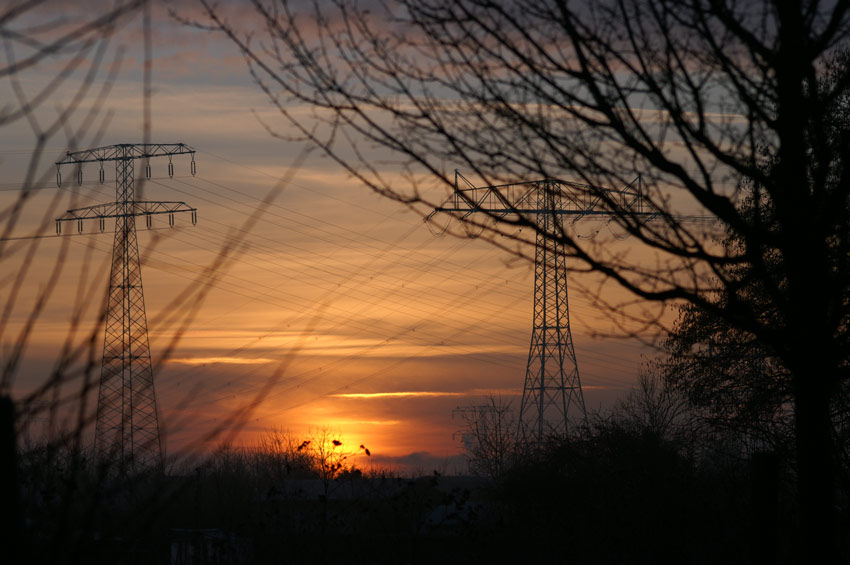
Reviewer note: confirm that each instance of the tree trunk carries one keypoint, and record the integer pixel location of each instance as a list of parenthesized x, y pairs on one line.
[(10, 523), (815, 477)]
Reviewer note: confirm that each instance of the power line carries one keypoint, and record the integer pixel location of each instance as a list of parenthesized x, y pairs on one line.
[(307, 226)]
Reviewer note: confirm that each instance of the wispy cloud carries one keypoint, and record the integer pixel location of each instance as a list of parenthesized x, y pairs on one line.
[(227, 360), (367, 422), (437, 394), (406, 394)]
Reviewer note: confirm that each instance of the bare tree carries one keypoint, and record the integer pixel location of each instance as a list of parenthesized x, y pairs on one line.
[(489, 435), (58, 66), (77, 52), (655, 407), (329, 458), (712, 102)]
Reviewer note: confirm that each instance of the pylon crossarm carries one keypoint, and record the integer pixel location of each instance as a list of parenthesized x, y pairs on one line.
[(115, 210), (145, 208), (504, 212), (521, 198), (125, 151), (524, 207)]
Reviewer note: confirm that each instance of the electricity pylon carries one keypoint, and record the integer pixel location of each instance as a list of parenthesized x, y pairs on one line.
[(552, 388), (127, 427)]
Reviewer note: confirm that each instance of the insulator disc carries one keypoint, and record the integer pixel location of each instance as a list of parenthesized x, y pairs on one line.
[(148, 171), (148, 221), (58, 179), (193, 167), (170, 169), (102, 175)]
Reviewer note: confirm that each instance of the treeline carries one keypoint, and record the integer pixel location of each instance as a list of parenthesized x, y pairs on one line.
[(284, 500), (646, 482), (655, 479)]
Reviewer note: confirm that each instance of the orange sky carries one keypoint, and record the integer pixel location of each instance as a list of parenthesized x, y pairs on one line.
[(343, 310)]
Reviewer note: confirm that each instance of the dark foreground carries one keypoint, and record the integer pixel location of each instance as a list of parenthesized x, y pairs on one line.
[(618, 498)]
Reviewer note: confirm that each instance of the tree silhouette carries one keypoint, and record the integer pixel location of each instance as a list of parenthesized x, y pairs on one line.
[(327, 456), (66, 110), (732, 376), (738, 377), (58, 67), (695, 96), (489, 436)]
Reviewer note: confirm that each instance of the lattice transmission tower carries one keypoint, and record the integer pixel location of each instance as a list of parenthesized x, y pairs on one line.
[(552, 391), (127, 427)]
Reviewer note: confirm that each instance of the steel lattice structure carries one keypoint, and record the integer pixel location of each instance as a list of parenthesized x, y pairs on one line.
[(127, 427), (552, 383), (552, 389)]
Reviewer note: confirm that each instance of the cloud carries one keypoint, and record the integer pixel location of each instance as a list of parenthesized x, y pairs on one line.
[(343, 423), (228, 360), (407, 394), (424, 463), (439, 394)]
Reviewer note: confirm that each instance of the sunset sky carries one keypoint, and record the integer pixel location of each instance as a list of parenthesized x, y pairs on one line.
[(342, 310)]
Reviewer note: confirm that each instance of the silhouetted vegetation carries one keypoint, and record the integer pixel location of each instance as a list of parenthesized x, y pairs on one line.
[(695, 97), (736, 453), (633, 487), (657, 479)]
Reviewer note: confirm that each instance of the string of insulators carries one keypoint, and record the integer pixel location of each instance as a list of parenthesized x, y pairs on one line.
[(102, 173), (102, 179), (102, 222)]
